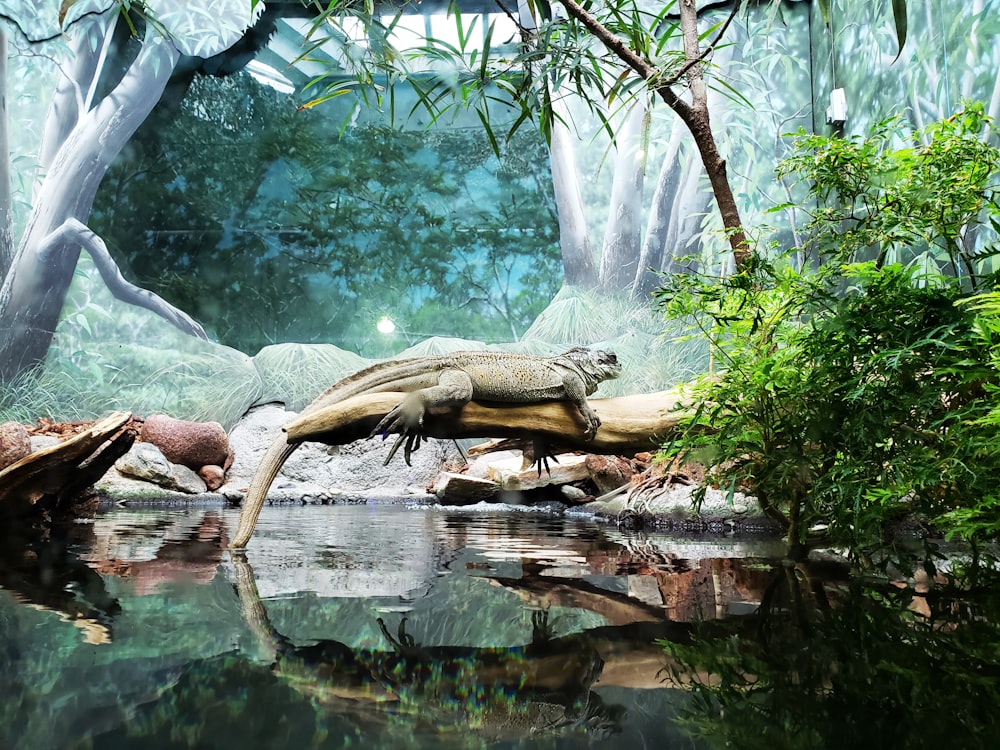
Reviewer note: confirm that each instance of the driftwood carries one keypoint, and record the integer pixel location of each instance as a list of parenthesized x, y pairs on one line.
[(53, 477), (629, 424)]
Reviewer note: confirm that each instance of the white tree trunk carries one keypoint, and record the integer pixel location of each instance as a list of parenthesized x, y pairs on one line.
[(35, 286), (574, 242), (622, 237), (654, 246), (75, 85), (6, 206)]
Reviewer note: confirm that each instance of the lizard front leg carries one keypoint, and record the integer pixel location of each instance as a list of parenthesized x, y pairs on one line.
[(576, 392), (454, 389)]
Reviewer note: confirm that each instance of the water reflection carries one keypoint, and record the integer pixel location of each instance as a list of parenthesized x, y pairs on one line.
[(543, 686), (849, 663), (37, 571), (381, 626)]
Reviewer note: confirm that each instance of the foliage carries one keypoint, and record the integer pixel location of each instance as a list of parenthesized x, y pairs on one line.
[(878, 200), (948, 56), (847, 665), (111, 356), (854, 394)]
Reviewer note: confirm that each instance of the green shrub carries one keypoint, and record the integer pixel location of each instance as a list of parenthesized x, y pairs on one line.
[(857, 391)]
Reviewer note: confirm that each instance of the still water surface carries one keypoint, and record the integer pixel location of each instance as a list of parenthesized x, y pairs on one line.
[(385, 626)]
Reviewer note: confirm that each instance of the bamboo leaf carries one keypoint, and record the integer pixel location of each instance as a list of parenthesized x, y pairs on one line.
[(325, 98), (899, 15), (824, 11), (484, 118)]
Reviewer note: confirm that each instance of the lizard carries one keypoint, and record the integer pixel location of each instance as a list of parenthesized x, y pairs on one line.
[(441, 382)]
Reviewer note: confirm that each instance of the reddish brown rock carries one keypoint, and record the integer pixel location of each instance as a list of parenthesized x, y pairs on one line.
[(15, 443), (609, 472), (191, 444), (213, 476)]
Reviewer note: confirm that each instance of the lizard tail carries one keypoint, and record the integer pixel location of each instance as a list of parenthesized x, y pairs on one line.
[(266, 471)]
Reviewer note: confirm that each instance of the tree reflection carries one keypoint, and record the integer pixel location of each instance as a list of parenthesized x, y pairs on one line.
[(849, 663)]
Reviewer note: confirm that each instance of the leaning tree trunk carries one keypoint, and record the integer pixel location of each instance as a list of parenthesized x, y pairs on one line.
[(654, 247), (35, 287)]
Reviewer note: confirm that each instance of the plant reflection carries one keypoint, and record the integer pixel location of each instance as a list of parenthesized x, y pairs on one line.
[(848, 663), (496, 693)]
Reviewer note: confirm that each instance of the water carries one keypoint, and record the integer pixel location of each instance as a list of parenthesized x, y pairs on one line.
[(385, 626)]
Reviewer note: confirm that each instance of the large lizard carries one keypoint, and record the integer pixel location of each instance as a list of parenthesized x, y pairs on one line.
[(440, 382)]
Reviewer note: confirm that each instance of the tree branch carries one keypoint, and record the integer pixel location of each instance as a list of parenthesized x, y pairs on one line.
[(709, 49), (73, 229), (645, 69)]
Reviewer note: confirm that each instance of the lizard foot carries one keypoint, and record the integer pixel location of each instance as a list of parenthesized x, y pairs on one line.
[(407, 419), (539, 455), (593, 422)]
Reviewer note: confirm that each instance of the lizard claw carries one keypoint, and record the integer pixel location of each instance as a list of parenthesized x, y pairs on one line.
[(539, 456), (410, 442), (408, 421), (398, 420), (593, 422)]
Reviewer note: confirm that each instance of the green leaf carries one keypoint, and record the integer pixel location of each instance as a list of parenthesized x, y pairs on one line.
[(899, 15), (488, 128), (824, 11)]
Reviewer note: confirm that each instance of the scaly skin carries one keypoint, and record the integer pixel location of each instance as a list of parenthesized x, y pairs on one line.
[(446, 381)]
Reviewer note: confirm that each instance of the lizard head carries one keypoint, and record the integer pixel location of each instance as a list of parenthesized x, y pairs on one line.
[(595, 365)]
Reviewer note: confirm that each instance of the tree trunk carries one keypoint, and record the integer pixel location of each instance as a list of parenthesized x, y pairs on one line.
[(654, 248), (574, 242), (76, 85), (6, 205), (623, 235), (34, 289), (698, 120)]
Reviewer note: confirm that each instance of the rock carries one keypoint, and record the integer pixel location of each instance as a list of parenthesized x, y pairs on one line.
[(480, 465), (41, 442), (15, 443), (573, 494), (462, 489), (191, 444), (213, 476), (184, 479), (564, 469), (609, 472), (357, 467), (146, 462)]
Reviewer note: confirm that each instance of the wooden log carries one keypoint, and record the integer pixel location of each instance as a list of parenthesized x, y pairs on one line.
[(56, 471), (629, 424), (511, 475)]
